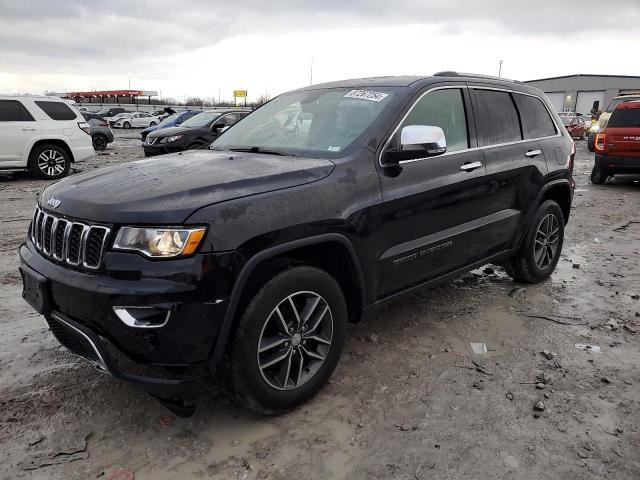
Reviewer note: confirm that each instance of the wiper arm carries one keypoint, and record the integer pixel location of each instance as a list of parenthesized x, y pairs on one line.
[(260, 150)]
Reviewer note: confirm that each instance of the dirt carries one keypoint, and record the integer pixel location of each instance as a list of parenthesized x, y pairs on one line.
[(409, 400)]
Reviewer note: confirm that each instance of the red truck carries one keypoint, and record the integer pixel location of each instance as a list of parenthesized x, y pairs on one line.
[(617, 147)]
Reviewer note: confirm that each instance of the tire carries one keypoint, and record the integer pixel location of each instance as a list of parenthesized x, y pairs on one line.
[(247, 374), (597, 177), (529, 265), (49, 162), (126, 125), (99, 141), (152, 124), (591, 142), (193, 146)]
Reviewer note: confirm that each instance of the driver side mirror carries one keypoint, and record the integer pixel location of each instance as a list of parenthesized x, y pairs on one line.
[(416, 141)]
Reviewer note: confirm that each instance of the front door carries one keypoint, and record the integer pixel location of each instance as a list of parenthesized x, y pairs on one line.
[(433, 216)]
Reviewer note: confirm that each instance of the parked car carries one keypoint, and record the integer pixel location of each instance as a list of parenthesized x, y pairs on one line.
[(173, 120), (136, 120), (618, 144), (245, 262), (192, 133), (111, 112), (604, 116), (112, 120), (576, 126), (101, 133), (42, 134)]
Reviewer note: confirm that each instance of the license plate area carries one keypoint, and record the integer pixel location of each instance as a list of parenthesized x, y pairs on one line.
[(35, 289)]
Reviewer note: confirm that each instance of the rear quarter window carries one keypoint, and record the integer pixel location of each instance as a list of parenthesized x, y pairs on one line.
[(536, 121), (497, 118), (14, 111), (57, 110)]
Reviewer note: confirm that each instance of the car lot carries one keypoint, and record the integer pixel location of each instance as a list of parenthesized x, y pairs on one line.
[(409, 400)]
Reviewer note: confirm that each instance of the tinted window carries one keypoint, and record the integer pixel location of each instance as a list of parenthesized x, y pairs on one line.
[(57, 110), (14, 111), (496, 118), (444, 109), (229, 120), (536, 121), (625, 117)]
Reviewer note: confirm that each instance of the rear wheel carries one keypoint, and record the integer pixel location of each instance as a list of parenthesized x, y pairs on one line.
[(99, 141), (288, 342), (591, 142), (541, 247), (598, 177), (49, 162)]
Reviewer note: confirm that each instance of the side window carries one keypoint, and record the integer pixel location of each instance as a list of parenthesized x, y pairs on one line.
[(496, 119), (57, 110), (444, 109), (14, 111), (229, 120), (536, 121)]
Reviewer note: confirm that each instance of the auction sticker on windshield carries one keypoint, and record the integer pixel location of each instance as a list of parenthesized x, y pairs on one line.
[(366, 95)]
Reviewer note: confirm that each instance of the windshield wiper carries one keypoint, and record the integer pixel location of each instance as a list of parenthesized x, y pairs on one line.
[(261, 150)]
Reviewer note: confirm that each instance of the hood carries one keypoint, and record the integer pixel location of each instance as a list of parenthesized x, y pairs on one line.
[(168, 131), (167, 189)]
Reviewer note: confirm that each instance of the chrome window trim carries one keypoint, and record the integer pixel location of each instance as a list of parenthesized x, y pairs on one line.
[(470, 149)]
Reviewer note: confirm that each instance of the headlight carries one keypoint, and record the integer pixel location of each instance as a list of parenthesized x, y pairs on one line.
[(170, 139), (159, 242)]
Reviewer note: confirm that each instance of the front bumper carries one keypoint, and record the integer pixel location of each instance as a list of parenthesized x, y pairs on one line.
[(194, 291), (611, 165), (162, 148)]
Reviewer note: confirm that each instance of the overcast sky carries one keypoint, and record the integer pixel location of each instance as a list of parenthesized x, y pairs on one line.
[(200, 47)]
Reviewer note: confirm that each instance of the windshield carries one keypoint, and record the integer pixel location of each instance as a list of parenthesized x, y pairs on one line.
[(168, 120), (201, 119), (625, 117), (120, 115), (325, 120), (566, 120), (617, 101)]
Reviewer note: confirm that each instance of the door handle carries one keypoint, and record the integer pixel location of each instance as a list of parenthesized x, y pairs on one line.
[(468, 167), (533, 153), (28, 129)]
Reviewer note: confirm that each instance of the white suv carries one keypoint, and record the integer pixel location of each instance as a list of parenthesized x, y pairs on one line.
[(42, 134)]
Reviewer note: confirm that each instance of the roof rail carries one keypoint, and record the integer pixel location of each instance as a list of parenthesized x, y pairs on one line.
[(473, 75)]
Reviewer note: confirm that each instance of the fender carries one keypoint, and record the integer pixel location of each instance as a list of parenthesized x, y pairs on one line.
[(534, 205), (254, 261)]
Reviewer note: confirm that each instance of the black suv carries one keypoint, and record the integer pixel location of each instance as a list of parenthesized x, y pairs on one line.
[(194, 132), (245, 261)]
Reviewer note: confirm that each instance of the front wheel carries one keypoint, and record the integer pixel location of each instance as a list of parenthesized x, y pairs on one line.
[(126, 125), (540, 250), (597, 177), (288, 342), (152, 124)]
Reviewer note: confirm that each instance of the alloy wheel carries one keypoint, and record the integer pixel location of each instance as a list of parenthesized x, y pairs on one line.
[(51, 163), (547, 241), (99, 142), (295, 340)]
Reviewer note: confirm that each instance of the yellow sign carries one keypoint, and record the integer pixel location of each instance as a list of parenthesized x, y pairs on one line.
[(239, 93)]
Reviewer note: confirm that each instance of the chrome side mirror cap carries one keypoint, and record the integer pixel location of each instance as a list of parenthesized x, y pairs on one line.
[(416, 142)]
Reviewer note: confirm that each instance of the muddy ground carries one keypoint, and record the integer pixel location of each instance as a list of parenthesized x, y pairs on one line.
[(409, 400)]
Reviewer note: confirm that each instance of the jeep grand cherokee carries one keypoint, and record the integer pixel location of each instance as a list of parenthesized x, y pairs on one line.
[(244, 262)]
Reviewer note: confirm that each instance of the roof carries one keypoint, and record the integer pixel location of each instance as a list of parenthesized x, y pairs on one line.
[(582, 75), (109, 93)]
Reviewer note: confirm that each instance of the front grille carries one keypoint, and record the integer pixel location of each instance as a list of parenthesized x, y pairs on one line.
[(70, 242)]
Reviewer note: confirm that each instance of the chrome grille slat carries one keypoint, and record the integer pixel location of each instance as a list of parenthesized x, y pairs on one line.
[(79, 244)]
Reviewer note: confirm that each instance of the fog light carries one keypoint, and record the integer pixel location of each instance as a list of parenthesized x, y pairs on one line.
[(143, 317)]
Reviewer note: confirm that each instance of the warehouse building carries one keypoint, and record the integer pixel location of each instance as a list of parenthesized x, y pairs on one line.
[(581, 93)]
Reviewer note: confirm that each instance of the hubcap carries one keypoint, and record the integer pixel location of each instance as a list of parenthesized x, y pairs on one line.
[(295, 340), (51, 162), (547, 241)]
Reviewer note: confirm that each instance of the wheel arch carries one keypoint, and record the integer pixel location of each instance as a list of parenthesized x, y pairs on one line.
[(559, 192), (51, 141), (345, 269)]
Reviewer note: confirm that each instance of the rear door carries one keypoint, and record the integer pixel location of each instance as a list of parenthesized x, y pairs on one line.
[(433, 211), (514, 159), (17, 130)]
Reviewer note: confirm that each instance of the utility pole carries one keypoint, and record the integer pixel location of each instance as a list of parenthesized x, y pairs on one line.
[(500, 68), (311, 72)]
